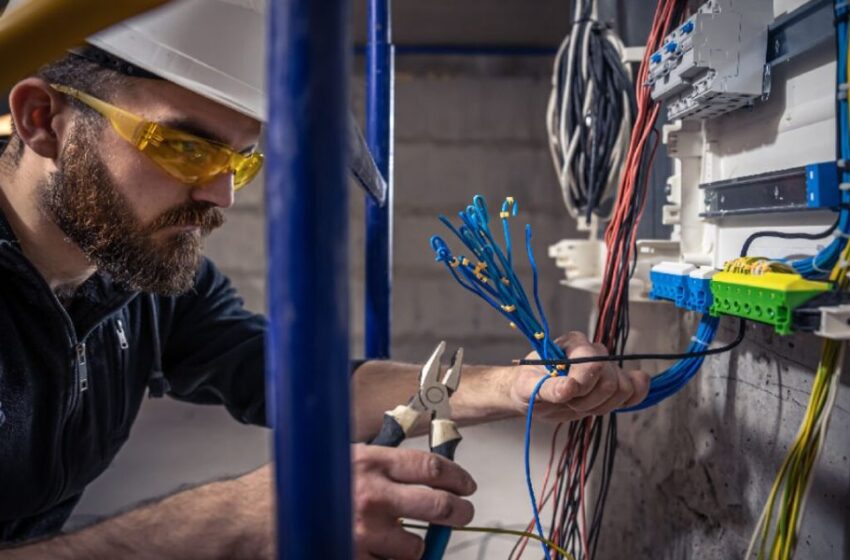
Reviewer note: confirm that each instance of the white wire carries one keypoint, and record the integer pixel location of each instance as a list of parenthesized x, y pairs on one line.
[(564, 148)]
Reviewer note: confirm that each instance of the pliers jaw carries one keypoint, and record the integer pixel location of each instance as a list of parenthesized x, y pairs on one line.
[(433, 395)]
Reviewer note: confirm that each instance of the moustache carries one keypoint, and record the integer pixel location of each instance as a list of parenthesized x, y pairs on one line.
[(203, 215)]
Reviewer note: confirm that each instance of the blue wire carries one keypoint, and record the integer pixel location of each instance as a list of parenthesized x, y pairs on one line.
[(528, 481)]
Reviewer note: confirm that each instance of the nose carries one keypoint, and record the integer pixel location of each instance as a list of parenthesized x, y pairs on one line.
[(218, 192)]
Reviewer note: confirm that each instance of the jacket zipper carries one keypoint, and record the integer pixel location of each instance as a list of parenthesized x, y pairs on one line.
[(122, 337), (82, 367)]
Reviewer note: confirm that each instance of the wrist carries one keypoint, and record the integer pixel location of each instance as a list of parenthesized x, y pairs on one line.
[(485, 393)]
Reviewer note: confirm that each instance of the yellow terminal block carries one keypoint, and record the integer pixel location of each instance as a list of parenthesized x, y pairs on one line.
[(769, 297)]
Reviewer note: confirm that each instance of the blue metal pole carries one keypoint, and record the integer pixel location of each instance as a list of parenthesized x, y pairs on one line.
[(307, 343), (379, 135)]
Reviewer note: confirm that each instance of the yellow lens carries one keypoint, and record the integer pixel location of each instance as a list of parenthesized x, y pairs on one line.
[(247, 169)]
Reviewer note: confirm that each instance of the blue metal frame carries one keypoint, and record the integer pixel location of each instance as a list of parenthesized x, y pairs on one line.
[(307, 343), (379, 136)]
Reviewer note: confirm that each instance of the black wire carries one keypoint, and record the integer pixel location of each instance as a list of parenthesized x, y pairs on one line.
[(783, 235), (623, 357)]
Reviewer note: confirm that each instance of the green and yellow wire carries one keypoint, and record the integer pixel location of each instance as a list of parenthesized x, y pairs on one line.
[(500, 531), (795, 474)]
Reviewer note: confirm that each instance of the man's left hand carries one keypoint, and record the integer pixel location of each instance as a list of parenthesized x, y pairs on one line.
[(590, 389)]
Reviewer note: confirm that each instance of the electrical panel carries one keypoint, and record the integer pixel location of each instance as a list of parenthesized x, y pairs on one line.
[(715, 61), (771, 168)]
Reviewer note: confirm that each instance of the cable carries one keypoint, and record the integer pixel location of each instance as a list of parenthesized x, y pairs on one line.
[(589, 114), (628, 357), (499, 531)]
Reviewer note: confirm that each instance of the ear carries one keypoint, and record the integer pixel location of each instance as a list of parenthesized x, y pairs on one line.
[(40, 114)]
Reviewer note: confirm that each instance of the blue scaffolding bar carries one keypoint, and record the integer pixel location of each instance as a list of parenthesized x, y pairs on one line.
[(307, 343), (379, 135)]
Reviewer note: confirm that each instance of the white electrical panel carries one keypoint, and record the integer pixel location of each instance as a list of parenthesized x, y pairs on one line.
[(714, 62)]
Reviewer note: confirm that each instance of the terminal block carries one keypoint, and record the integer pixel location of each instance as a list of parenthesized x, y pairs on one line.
[(768, 298), (670, 282), (714, 62), (685, 285), (699, 289)]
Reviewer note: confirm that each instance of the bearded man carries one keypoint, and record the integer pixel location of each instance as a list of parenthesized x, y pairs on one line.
[(113, 176)]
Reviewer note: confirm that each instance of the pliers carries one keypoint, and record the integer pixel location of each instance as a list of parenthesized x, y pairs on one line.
[(431, 398)]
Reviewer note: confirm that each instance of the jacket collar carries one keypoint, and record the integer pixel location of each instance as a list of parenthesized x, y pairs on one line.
[(98, 296)]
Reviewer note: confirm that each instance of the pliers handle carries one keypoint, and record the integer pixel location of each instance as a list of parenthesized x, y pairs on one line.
[(431, 398)]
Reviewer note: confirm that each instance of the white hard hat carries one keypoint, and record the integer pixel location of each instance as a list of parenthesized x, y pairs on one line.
[(215, 48)]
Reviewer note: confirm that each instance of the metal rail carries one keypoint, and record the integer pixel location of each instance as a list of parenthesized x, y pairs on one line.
[(379, 135), (307, 212)]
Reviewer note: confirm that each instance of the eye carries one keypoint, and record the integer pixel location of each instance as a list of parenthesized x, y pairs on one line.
[(192, 151)]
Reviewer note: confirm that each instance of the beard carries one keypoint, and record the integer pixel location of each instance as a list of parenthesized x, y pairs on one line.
[(83, 200)]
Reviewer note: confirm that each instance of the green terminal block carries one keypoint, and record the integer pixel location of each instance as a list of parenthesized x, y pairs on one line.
[(767, 298)]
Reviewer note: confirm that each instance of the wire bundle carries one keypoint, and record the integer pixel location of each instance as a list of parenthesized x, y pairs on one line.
[(795, 475), (589, 114), (490, 275)]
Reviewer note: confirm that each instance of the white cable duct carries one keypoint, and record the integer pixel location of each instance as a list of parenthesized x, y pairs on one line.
[(564, 135)]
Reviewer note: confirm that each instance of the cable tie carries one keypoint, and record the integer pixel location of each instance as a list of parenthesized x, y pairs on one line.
[(817, 268), (539, 335), (841, 164), (509, 308), (844, 186), (841, 95), (843, 87), (700, 341), (839, 233)]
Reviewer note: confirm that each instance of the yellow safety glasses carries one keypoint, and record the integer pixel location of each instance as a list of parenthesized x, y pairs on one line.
[(188, 158)]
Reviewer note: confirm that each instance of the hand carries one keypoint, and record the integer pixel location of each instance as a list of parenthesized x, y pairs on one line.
[(589, 390), (392, 483)]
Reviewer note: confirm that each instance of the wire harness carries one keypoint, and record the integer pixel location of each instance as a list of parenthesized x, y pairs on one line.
[(590, 113)]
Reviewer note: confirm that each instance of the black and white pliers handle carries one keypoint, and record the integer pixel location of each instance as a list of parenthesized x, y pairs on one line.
[(431, 398)]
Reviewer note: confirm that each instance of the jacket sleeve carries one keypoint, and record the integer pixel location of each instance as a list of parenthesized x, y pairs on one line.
[(213, 348)]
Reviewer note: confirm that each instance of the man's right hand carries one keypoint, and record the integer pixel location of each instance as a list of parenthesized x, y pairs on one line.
[(392, 483)]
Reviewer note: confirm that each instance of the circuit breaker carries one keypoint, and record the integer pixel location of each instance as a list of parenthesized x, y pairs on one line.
[(715, 61)]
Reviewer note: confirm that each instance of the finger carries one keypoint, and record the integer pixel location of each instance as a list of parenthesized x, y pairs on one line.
[(640, 381), (572, 340), (586, 376), (427, 504), (606, 386), (419, 467), (391, 541), (624, 392)]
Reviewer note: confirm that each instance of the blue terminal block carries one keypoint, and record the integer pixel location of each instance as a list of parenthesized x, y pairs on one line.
[(822, 189), (670, 282), (699, 296)]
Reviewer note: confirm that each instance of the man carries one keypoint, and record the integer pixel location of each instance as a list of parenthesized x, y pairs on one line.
[(110, 181)]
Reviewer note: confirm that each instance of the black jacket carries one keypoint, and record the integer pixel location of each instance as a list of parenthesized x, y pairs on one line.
[(72, 381)]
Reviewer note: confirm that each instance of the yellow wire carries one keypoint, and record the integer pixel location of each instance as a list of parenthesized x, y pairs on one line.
[(797, 466), (500, 531)]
